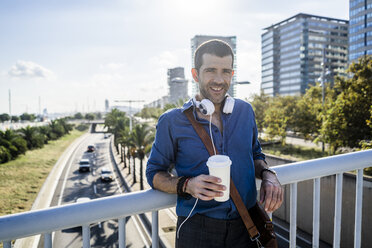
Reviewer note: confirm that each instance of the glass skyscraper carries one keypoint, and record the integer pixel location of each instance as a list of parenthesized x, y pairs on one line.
[(360, 31), (293, 49), (198, 40)]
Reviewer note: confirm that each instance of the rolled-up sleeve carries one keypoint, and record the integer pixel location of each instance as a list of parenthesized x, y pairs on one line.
[(163, 149), (256, 146)]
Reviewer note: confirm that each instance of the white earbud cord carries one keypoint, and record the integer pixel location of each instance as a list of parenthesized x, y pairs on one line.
[(210, 132), (178, 232)]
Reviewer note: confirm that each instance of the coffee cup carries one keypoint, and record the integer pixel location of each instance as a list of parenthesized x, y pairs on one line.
[(219, 166)]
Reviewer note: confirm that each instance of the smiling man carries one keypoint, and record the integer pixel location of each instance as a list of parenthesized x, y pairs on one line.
[(234, 131)]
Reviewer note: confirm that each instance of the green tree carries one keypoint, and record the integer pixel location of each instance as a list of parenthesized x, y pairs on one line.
[(276, 122), (27, 117), (141, 136), (13, 142), (89, 116), (78, 116), (4, 155), (308, 115), (4, 117), (125, 142), (348, 120), (169, 106), (260, 103), (15, 118), (116, 121), (279, 117), (33, 138), (148, 113)]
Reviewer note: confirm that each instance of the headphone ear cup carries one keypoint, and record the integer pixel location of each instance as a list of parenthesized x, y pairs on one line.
[(229, 105), (206, 107)]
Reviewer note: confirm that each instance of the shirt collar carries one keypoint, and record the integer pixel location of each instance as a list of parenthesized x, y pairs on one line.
[(187, 105)]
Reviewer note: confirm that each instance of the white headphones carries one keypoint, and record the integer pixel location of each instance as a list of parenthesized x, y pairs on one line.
[(206, 107)]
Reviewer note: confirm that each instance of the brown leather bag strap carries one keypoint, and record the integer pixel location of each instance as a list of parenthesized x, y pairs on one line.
[(235, 196), (244, 214), (200, 131)]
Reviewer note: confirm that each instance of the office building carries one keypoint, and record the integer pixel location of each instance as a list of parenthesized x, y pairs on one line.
[(293, 49), (360, 30), (198, 40), (177, 84)]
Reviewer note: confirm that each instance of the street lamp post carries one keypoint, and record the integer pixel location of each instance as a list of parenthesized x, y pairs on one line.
[(130, 110), (325, 73), (323, 90)]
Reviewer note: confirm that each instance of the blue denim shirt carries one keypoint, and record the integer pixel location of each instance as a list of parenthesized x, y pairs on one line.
[(177, 143)]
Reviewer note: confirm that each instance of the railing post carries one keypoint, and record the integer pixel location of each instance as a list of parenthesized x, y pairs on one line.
[(358, 209), (86, 236), (293, 215), (122, 232), (7, 244), (338, 211), (48, 240), (154, 228), (316, 212)]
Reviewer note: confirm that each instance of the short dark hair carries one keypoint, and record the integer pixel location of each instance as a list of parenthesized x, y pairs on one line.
[(216, 47)]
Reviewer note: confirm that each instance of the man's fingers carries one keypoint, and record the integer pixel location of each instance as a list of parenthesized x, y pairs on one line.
[(262, 196), (268, 197), (274, 200), (271, 195), (211, 179), (205, 187)]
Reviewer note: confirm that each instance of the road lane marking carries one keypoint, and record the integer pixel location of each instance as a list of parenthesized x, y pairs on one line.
[(95, 188), (65, 178)]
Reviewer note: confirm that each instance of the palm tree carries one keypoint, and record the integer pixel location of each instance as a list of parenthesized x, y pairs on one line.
[(116, 121), (124, 140), (141, 136), (33, 138)]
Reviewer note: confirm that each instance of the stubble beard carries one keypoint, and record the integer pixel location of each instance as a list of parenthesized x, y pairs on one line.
[(208, 95)]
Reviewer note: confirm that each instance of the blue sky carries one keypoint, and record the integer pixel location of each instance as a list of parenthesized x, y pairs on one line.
[(75, 54)]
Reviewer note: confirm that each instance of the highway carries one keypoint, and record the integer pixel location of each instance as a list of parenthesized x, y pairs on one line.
[(74, 184)]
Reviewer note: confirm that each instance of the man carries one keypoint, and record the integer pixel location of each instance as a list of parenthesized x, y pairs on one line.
[(212, 223)]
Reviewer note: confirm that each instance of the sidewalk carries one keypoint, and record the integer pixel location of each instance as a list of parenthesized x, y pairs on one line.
[(167, 217)]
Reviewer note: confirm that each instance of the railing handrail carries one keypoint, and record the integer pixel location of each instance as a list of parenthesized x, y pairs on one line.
[(321, 167), (78, 214), (114, 207)]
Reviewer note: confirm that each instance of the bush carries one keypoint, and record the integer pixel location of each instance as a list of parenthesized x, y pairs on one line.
[(4, 155)]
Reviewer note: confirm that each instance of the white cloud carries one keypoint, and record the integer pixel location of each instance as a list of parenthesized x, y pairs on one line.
[(29, 69)]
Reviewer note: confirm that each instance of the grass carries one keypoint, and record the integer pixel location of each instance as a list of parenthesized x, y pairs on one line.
[(294, 152), (21, 179)]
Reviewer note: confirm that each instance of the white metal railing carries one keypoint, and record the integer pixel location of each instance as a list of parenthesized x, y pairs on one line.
[(118, 207)]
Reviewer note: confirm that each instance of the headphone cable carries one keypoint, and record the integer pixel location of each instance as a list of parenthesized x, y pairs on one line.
[(210, 132)]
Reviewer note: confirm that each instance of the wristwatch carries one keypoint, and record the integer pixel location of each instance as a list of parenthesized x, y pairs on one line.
[(269, 170)]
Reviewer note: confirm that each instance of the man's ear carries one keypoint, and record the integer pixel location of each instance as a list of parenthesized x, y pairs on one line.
[(233, 73), (194, 73)]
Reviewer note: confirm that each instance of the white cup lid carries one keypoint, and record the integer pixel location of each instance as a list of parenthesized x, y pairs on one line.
[(218, 161)]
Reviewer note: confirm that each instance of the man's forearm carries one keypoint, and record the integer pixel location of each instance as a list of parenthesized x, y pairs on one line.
[(165, 182), (259, 165)]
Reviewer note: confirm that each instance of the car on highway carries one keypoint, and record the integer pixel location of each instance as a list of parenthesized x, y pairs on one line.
[(106, 175), (91, 148), (84, 165)]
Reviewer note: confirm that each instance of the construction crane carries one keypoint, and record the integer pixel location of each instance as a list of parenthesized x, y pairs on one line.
[(130, 110)]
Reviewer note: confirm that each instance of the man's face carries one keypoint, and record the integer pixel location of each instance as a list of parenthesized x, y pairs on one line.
[(214, 77)]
